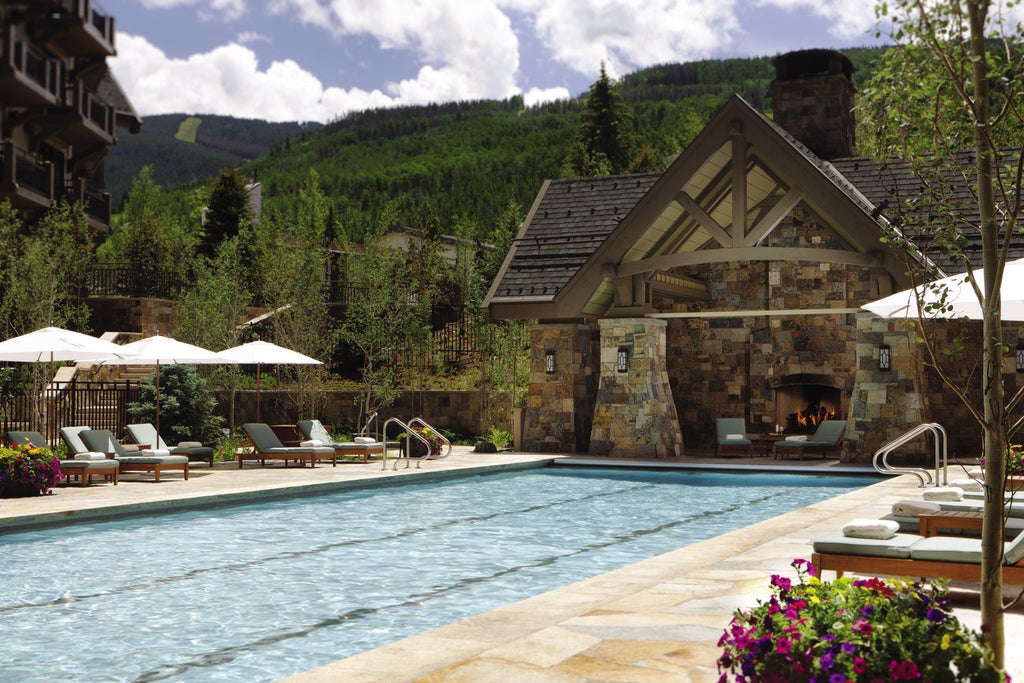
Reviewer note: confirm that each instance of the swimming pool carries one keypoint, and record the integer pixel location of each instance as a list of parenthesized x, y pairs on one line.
[(258, 592)]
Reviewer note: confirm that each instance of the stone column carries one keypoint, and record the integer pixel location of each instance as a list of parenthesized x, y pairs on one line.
[(560, 405), (635, 415)]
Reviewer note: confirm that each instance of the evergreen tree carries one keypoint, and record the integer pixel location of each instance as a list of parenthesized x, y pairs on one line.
[(227, 210), (604, 143)]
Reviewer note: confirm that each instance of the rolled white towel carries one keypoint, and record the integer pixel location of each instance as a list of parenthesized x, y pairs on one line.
[(799, 437), (310, 443), (871, 528), (155, 452), (91, 455), (967, 484), (914, 508), (944, 493), (130, 449), (190, 444), (734, 437), (364, 439)]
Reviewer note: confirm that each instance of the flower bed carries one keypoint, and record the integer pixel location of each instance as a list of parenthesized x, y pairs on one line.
[(852, 630), (27, 471), (417, 447)]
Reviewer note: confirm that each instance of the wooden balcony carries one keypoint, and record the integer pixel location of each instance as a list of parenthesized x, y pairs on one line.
[(26, 182), (94, 201), (82, 119), (81, 29), (28, 76)]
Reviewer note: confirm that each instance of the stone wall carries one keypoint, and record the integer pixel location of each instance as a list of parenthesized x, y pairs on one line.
[(121, 314), (635, 416), (560, 406)]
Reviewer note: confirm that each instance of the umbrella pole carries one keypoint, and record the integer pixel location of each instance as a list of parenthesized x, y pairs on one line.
[(157, 385), (257, 392)]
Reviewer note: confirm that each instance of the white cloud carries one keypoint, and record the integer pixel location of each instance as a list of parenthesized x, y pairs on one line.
[(535, 96), (247, 37), (226, 10), (228, 81), (849, 19)]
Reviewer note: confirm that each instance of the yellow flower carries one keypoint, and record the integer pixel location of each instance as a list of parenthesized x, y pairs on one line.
[(945, 642)]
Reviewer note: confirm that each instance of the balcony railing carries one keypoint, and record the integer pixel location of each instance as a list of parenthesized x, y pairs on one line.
[(135, 280), (30, 75), (19, 170), (89, 30), (94, 201), (98, 115)]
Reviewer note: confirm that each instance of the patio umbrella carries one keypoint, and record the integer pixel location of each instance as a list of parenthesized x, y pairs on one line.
[(52, 344), (261, 353), (158, 350), (952, 297)]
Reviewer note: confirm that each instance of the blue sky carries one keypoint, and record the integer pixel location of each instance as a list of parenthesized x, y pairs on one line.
[(302, 60)]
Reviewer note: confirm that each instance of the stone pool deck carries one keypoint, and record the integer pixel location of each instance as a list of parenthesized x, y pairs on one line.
[(656, 620)]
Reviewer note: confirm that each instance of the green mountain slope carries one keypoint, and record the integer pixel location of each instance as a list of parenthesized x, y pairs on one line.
[(461, 161), (210, 144)]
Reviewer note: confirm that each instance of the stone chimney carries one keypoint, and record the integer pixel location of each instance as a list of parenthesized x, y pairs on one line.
[(813, 99)]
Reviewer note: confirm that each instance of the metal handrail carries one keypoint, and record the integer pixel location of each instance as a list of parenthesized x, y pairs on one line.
[(419, 421), (880, 461), (408, 456)]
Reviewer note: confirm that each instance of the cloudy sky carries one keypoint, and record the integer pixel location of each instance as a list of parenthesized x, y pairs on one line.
[(315, 60)]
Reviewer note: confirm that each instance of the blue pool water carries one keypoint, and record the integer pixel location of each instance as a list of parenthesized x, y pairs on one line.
[(258, 592)]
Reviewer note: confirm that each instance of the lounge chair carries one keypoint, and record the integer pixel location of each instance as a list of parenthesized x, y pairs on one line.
[(82, 467), (268, 447), (313, 430), (953, 557), (732, 436), (827, 438), (146, 434), (156, 462)]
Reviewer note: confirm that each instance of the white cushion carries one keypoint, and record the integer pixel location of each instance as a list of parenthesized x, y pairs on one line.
[(871, 528), (309, 443), (944, 493), (190, 444)]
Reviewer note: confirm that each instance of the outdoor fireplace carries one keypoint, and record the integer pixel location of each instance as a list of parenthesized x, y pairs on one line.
[(802, 402)]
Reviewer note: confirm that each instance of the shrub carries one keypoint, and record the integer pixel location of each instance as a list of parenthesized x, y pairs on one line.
[(852, 630), (27, 471)]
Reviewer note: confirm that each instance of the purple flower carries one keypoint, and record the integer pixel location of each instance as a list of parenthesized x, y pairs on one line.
[(781, 582), (827, 661), (935, 615), (867, 611), (837, 678), (848, 648)]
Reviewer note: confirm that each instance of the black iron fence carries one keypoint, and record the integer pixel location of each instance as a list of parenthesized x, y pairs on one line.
[(136, 279), (100, 405)]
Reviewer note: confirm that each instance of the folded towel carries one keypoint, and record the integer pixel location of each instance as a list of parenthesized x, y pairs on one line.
[(944, 493), (190, 444), (734, 437), (914, 508), (309, 443), (871, 528), (92, 455), (155, 452), (801, 437), (967, 484), (130, 449), (364, 439)]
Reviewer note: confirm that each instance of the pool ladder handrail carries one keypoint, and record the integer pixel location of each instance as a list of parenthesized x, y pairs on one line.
[(407, 431), (880, 461), (420, 422)]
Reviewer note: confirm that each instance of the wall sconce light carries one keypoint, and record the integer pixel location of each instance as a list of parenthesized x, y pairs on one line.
[(622, 359), (1020, 356), (549, 362), (884, 357)]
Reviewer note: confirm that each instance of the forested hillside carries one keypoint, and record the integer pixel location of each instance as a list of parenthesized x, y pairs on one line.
[(458, 163), (182, 149)]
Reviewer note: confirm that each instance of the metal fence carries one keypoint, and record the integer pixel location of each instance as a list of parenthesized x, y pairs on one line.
[(100, 405)]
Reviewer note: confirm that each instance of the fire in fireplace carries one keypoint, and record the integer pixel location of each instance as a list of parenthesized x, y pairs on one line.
[(801, 405)]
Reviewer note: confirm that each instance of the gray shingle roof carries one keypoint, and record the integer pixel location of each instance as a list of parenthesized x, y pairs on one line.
[(572, 220)]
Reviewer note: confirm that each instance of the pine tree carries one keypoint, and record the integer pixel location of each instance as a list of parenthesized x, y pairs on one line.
[(227, 210), (603, 144)]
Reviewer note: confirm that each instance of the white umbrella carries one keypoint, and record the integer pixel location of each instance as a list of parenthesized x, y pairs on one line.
[(158, 350), (953, 297), (52, 344), (260, 353)]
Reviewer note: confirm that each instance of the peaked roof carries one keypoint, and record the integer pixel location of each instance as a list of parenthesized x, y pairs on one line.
[(589, 245)]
